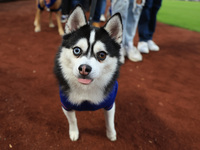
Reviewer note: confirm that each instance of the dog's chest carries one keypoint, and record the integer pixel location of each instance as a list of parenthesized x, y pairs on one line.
[(77, 95)]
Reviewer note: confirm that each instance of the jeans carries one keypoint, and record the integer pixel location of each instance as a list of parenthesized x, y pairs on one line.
[(147, 22), (103, 7), (66, 6), (97, 13), (130, 16)]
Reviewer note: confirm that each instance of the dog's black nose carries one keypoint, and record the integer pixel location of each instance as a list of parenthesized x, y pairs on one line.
[(84, 69)]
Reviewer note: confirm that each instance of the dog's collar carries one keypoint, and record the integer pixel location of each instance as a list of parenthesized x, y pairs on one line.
[(107, 103)]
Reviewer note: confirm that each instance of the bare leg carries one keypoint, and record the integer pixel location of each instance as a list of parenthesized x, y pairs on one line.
[(110, 125), (73, 128)]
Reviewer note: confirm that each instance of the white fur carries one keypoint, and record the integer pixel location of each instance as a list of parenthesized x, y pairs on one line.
[(110, 125), (73, 127), (114, 28), (102, 73), (109, 118), (72, 23), (92, 39)]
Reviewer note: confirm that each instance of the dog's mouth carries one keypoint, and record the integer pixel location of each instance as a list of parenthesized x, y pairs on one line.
[(84, 81)]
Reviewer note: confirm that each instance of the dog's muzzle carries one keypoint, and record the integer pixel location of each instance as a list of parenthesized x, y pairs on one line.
[(84, 71)]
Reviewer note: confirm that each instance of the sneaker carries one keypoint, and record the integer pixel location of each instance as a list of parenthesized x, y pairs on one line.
[(152, 46), (132, 53), (143, 47), (64, 18), (102, 18)]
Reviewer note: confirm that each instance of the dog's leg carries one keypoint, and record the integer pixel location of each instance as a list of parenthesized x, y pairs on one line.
[(110, 125), (51, 25), (73, 128), (36, 15), (37, 20), (60, 28)]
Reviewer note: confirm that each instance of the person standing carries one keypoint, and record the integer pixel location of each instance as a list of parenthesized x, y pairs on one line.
[(130, 11), (147, 26)]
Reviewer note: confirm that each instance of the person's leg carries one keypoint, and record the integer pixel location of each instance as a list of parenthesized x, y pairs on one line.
[(152, 22), (121, 6), (130, 28), (134, 13), (103, 8), (66, 7), (152, 25), (97, 13), (75, 2), (143, 25), (86, 5)]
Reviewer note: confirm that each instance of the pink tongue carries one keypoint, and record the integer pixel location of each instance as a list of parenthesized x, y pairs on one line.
[(85, 81)]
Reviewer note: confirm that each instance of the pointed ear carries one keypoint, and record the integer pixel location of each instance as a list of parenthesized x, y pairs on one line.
[(115, 28), (76, 20)]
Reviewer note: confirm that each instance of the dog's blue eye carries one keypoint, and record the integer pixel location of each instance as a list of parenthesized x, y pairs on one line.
[(101, 56), (77, 51)]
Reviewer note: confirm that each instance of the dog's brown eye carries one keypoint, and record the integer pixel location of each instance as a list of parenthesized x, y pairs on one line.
[(77, 51), (101, 56)]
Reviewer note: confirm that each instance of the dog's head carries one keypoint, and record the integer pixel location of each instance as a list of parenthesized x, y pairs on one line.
[(89, 55)]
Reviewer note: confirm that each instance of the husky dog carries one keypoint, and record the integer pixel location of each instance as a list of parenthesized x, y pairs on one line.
[(87, 66)]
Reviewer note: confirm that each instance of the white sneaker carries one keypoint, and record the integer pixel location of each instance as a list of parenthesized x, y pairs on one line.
[(152, 46), (102, 18), (132, 53), (143, 47), (64, 18)]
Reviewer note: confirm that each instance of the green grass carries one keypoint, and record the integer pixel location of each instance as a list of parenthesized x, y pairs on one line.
[(183, 14)]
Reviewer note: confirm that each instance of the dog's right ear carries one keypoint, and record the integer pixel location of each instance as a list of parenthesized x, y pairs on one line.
[(76, 20), (114, 27)]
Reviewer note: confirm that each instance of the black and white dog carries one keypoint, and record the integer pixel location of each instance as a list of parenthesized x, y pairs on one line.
[(87, 66)]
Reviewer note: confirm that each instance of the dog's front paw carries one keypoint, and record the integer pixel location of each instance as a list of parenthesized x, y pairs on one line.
[(74, 135), (37, 29), (111, 135), (35, 23), (51, 25)]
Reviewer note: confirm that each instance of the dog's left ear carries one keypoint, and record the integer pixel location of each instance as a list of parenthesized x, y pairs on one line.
[(76, 20), (114, 27)]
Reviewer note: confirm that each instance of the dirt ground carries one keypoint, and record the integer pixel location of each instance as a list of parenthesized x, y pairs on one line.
[(157, 106)]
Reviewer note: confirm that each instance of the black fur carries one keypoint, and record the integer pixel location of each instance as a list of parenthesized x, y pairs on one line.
[(69, 40)]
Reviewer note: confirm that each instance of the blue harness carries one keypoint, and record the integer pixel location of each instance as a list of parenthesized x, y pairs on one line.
[(107, 104), (48, 5)]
